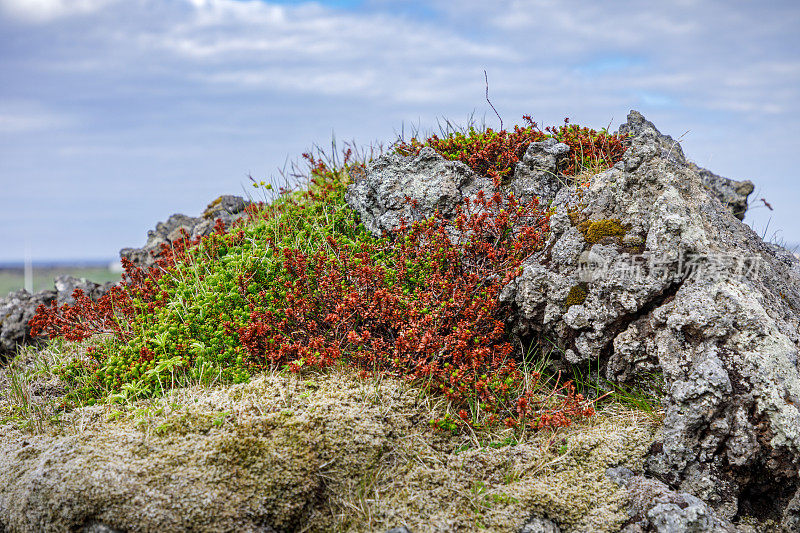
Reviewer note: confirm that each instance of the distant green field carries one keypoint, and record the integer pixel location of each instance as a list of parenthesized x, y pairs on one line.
[(12, 279)]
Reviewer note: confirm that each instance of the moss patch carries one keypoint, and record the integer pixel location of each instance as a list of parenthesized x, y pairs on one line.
[(595, 230), (209, 210), (330, 452), (577, 295)]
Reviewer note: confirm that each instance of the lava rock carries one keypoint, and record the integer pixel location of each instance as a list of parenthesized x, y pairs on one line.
[(733, 194), (66, 285), (227, 208), (655, 507), (537, 174), (540, 525), (685, 290), (410, 188), (16, 310)]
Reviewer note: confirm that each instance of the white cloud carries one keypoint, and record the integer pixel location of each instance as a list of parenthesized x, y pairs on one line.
[(311, 49), (23, 117), (534, 49), (229, 29), (299, 80), (38, 11), (201, 72)]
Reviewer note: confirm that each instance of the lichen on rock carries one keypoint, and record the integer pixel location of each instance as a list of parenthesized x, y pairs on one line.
[(680, 288), (577, 295), (596, 230), (702, 300)]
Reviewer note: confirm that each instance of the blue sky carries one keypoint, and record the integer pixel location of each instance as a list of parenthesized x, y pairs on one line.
[(115, 114)]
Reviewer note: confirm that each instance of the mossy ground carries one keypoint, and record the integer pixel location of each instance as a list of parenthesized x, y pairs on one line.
[(325, 450)]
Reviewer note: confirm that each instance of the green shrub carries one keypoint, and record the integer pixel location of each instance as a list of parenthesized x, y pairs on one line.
[(301, 284)]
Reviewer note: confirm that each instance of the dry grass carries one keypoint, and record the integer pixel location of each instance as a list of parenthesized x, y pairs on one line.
[(30, 389)]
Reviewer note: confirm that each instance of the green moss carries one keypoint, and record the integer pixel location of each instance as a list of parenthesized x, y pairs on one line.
[(595, 230), (577, 295), (210, 208)]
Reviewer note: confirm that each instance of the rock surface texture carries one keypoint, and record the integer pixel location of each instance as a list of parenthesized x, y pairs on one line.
[(653, 506), (18, 308), (226, 208), (66, 285), (731, 193), (649, 275), (396, 187)]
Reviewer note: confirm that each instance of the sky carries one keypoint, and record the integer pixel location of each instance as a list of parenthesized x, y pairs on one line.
[(114, 114)]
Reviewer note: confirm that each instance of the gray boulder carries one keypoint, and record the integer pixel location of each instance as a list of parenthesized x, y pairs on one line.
[(164, 233), (227, 208), (654, 507), (16, 310), (397, 187), (537, 174), (731, 193), (66, 285), (649, 275), (647, 272)]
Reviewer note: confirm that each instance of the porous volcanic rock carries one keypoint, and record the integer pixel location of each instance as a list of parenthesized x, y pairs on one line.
[(227, 208), (16, 310), (537, 173), (730, 192), (675, 285), (653, 506), (19, 307), (649, 275), (396, 187), (66, 286)]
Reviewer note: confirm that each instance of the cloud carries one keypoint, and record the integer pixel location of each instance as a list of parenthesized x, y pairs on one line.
[(237, 46), (534, 50), (39, 11), (24, 117), (163, 91), (225, 30)]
